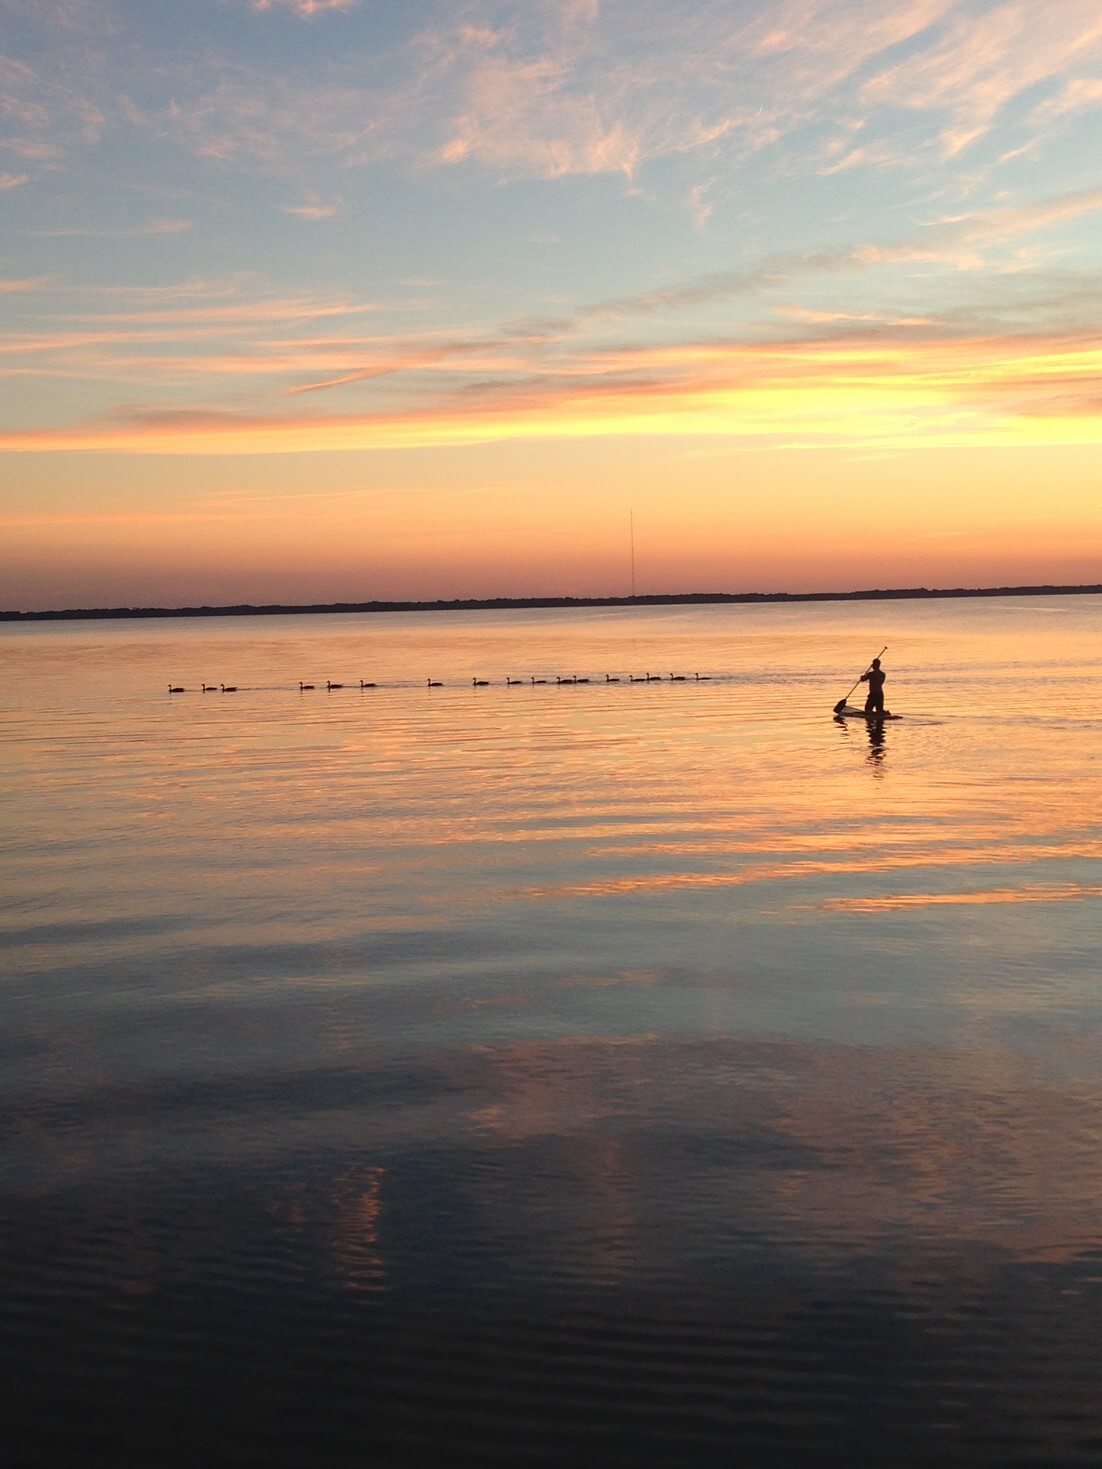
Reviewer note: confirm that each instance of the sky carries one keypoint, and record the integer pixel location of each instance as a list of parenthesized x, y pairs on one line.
[(320, 300)]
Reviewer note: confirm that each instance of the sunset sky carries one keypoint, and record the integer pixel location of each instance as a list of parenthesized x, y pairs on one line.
[(314, 300)]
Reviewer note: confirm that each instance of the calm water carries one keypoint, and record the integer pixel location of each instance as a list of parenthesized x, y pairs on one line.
[(618, 1074)]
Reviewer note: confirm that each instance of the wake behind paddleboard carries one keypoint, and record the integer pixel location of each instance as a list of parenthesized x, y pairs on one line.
[(848, 712)]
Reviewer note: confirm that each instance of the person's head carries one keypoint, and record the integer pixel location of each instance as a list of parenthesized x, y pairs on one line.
[(876, 662)]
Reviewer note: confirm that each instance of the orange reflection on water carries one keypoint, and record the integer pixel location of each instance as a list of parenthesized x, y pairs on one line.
[(356, 1249), (677, 881), (1070, 892)]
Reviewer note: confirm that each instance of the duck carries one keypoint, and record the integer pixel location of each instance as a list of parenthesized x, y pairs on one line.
[(610, 678), (176, 689), (654, 678), (511, 683), (580, 680), (228, 688), (302, 687), (538, 680), (367, 685), (330, 686), (632, 679), (480, 683), (433, 684), (210, 688), (703, 677), (677, 678), (559, 680)]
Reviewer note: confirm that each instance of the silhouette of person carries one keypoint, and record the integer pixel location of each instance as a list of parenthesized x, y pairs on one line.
[(875, 677)]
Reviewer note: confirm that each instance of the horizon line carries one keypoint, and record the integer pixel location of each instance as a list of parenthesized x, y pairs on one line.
[(475, 604)]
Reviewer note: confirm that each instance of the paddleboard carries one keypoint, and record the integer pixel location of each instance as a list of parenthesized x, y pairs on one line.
[(850, 713)]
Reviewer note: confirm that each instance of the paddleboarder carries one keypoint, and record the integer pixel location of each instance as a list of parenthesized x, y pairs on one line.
[(875, 677)]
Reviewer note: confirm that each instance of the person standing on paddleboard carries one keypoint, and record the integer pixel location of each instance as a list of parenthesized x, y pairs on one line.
[(875, 677)]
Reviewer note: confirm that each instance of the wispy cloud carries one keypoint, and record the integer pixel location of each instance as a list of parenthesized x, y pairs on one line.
[(981, 60), (22, 285), (305, 9), (311, 211), (548, 89), (1079, 94), (229, 330), (13, 180), (151, 228), (861, 392)]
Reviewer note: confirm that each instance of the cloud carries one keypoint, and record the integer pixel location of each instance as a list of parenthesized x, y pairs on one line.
[(980, 61), (13, 180), (23, 285), (556, 88), (305, 9), (152, 228), (881, 390), (311, 211), (1079, 94), (229, 329)]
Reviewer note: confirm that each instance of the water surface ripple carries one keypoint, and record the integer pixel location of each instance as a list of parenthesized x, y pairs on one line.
[(630, 1073)]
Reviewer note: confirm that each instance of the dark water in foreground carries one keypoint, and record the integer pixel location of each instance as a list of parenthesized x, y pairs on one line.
[(614, 1073)]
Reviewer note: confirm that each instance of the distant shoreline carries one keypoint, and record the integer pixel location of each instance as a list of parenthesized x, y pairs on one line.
[(495, 604)]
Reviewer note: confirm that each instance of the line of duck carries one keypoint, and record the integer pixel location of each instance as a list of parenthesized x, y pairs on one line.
[(479, 683)]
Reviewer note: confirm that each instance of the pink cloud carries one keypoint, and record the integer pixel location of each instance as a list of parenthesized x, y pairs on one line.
[(981, 61), (311, 211), (305, 9), (23, 285)]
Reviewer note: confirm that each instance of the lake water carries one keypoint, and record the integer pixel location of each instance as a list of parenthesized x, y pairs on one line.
[(610, 1073)]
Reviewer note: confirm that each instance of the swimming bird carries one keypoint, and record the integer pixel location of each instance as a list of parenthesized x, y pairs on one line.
[(633, 679), (511, 683), (538, 680), (302, 687), (703, 677), (433, 684), (210, 688), (367, 685), (228, 688), (654, 678), (330, 686), (559, 680), (580, 680), (481, 683), (609, 678), (176, 689), (677, 678)]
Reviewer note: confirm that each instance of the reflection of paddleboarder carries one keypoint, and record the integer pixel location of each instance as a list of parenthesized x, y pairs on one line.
[(875, 677)]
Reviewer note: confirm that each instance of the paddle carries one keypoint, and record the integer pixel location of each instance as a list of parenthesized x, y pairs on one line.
[(841, 704)]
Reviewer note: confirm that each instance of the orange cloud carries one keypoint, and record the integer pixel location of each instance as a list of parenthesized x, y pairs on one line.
[(987, 391)]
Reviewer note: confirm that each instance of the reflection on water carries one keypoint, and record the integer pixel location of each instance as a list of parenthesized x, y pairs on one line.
[(643, 1073)]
